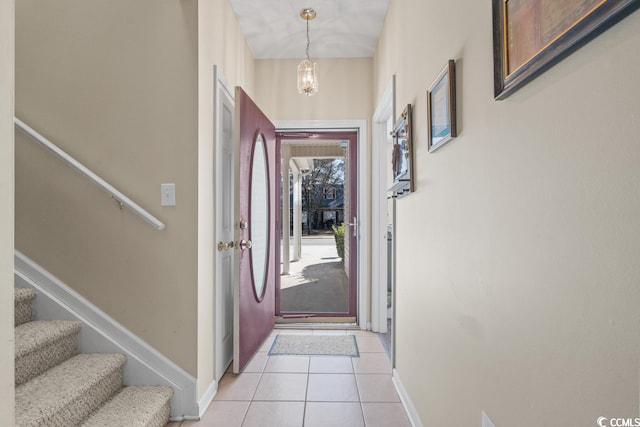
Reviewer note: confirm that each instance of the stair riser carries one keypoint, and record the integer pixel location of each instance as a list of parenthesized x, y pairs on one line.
[(134, 406), (159, 419), (34, 364), (22, 312), (78, 409)]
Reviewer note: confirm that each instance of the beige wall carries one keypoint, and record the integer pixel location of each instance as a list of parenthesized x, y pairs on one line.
[(220, 43), (114, 84), (344, 94), (6, 209), (518, 254)]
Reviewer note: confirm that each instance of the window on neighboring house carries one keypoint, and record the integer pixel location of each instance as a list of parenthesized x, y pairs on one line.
[(329, 193)]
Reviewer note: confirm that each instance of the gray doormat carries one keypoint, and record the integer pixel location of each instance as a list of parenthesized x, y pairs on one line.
[(314, 345)]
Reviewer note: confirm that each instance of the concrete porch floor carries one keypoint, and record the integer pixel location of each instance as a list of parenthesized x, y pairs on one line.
[(317, 282)]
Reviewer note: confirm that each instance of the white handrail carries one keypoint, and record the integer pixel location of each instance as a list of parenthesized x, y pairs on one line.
[(104, 185)]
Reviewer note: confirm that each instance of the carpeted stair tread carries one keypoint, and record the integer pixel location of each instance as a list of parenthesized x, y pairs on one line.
[(32, 335), (22, 305), (134, 406), (70, 391), (40, 345)]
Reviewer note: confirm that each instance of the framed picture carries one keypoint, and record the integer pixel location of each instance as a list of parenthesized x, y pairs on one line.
[(441, 107), (529, 36), (402, 155)]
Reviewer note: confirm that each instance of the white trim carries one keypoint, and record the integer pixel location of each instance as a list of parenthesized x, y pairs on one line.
[(104, 185), (379, 207), (364, 213), (101, 333), (386, 107), (207, 398), (409, 407)]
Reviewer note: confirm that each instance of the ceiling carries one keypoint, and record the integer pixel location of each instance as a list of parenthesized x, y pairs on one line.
[(342, 28)]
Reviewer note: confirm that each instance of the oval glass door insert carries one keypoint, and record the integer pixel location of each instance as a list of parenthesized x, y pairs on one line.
[(259, 226)]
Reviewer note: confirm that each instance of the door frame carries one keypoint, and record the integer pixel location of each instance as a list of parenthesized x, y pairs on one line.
[(380, 140), (383, 118), (364, 213), (351, 235)]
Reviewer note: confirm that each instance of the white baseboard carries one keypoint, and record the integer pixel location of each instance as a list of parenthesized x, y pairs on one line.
[(412, 413), (100, 333), (207, 397)]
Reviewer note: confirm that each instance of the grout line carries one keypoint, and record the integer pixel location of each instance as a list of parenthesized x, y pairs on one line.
[(306, 396), (364, 420), (246, 412), (257, 385)]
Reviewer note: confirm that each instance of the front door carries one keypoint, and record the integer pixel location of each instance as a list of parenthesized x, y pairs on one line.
[(255, 242)]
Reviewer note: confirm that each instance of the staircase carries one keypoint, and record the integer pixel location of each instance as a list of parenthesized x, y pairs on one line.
[(56, 386)]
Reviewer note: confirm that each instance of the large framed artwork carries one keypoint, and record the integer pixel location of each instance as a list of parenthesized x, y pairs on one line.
[(529, 36)]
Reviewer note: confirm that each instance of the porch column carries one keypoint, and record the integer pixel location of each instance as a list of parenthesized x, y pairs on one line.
[(297, 216), (286, 220)]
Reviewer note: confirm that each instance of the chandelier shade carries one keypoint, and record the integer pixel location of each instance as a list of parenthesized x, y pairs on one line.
[(307, 77)]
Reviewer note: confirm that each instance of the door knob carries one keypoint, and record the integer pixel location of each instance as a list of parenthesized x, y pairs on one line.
[(245, 244)]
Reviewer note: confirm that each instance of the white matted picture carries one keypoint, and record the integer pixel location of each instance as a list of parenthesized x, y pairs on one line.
[(441, 107)]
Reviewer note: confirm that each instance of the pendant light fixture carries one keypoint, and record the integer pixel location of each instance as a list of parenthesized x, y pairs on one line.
[(307, 70)]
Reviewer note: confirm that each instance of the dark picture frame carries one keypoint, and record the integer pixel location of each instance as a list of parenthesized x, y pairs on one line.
[(530, 36), (441, 108), (402, 155)]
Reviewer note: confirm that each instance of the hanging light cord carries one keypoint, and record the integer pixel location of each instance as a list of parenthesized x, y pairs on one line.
[(307, 19)]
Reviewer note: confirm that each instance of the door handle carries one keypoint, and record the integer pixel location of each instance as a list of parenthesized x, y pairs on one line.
[(224, 246), (245, 244), (354, 225)]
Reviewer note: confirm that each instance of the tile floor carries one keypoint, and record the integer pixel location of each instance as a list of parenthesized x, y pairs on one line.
[(300, 391)]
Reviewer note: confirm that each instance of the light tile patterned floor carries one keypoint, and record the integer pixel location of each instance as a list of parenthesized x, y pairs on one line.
[(298, 391)]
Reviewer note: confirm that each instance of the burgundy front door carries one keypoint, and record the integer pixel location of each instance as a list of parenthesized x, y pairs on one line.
[(256, 239)]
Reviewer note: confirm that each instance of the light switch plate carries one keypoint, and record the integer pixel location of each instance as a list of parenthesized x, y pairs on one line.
[(167, 194)]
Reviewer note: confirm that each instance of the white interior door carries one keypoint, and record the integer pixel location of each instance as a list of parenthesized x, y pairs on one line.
[(224, 224)]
